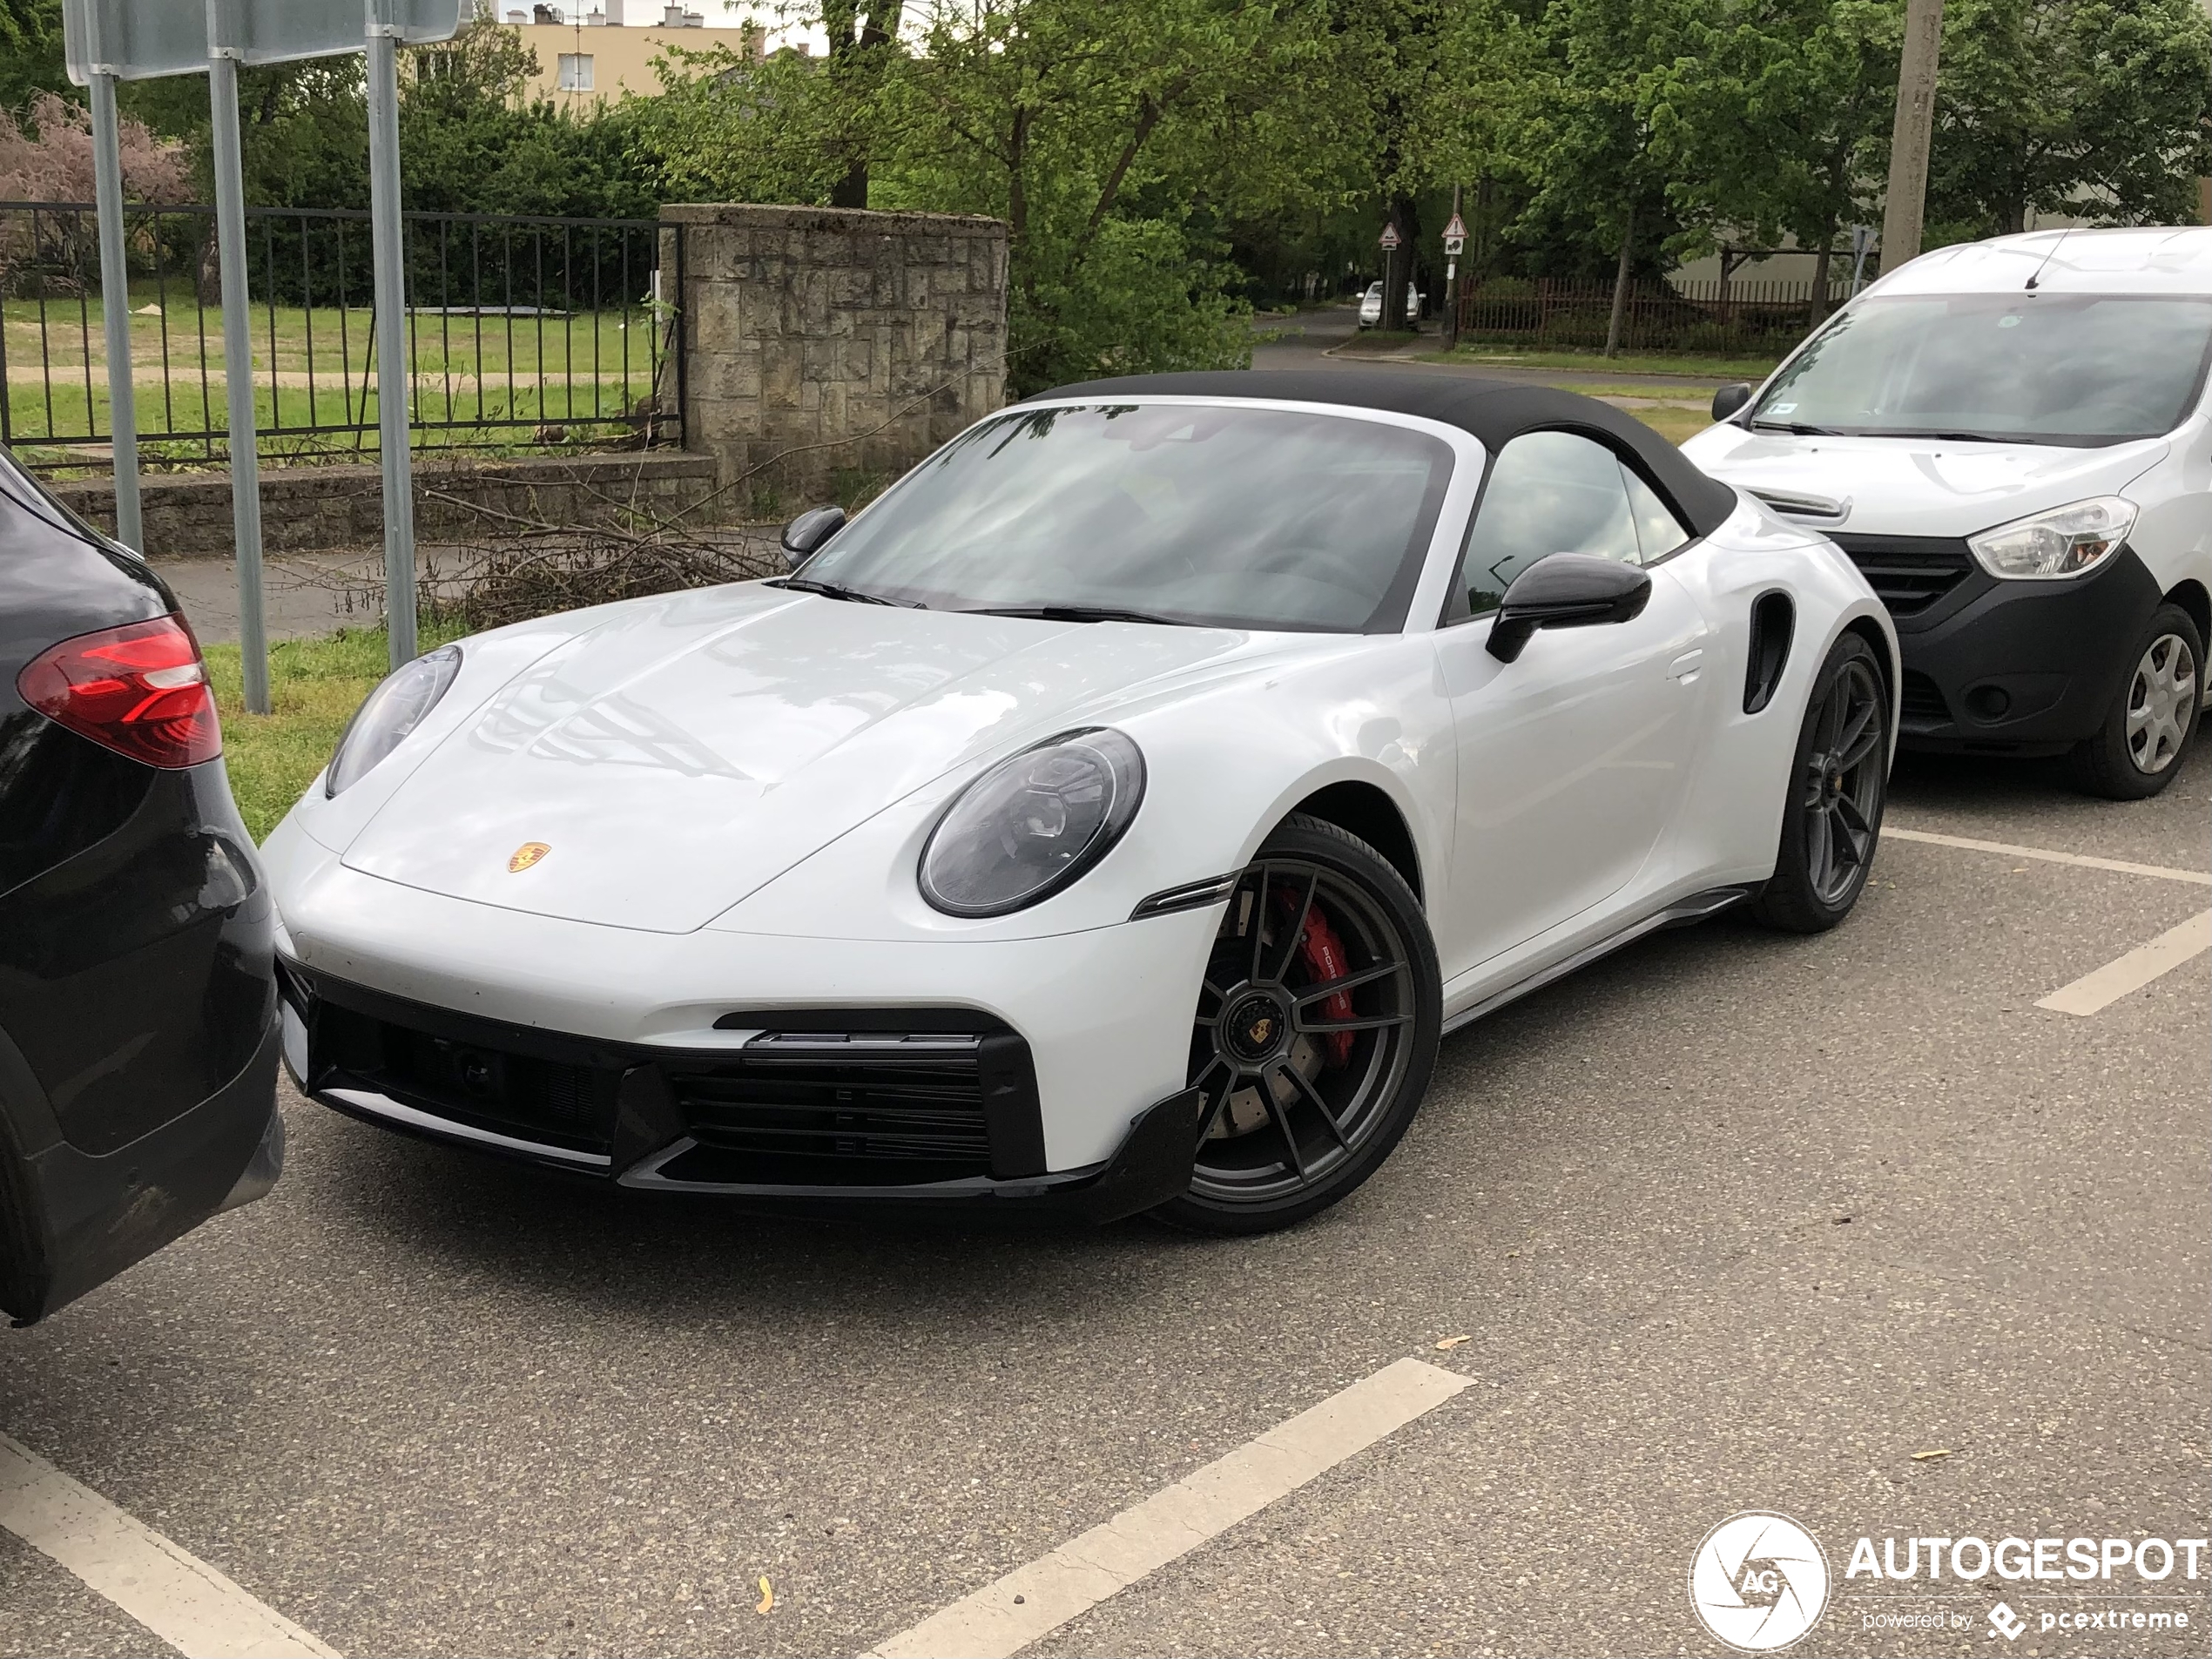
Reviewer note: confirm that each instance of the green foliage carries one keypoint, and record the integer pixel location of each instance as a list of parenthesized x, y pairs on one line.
[(31, 52), (2091, 107)]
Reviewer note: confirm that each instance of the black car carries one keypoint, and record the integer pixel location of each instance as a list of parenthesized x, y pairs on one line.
[(137, 996)]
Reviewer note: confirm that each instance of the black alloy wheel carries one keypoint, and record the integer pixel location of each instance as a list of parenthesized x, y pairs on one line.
[(1315, 1032), (1840, 785)]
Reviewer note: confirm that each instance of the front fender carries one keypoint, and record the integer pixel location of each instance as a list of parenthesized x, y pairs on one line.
[(1225, 763)]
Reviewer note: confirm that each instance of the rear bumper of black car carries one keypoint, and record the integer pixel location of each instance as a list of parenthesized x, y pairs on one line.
[(101, 1212), (929, 1109), (2000, 667)]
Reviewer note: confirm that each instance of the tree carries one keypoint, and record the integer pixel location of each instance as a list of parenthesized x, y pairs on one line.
[(1118, 146), (2090, 108), (1774, 117), (861, 41), (1602, 93), (30, 53)]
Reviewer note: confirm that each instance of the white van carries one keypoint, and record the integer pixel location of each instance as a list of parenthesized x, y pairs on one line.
[(2012, 440)]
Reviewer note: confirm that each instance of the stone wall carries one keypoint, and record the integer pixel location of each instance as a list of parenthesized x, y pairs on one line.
[(829, 346), (303, 509)]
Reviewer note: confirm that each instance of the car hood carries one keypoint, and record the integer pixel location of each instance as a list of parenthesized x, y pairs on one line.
[(1919, 486), (691, 747)]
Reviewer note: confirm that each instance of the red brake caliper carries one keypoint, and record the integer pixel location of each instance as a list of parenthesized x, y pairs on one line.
[(1322, 951)]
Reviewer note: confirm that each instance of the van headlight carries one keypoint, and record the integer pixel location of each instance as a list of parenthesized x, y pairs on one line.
[(2061, 542), (1032, 824), (390, 714)]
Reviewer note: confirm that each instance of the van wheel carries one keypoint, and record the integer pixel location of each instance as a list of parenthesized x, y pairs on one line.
[(2145, 732)]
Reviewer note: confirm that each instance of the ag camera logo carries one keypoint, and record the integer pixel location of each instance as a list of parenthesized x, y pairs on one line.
[(1759, 1581)]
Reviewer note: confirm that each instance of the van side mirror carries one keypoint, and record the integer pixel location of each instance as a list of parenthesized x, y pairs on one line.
[(806, 533), (1730, 399), (1566, 591)]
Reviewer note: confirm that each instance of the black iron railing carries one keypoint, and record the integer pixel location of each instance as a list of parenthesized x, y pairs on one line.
[(524, 334), (1762, 318)]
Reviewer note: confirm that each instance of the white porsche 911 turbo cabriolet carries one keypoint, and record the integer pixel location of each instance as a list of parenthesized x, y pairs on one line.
[(1112, 816)]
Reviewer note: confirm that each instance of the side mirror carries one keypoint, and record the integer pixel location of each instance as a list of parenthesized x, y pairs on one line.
[(1730, 399), (1566, 591), (806, 533)]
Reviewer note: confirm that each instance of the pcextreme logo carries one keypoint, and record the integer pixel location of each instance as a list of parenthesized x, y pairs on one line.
[(1759, 1581)]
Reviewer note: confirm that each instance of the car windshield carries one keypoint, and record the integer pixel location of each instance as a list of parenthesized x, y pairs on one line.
[(2057, 368), (1217, 516)]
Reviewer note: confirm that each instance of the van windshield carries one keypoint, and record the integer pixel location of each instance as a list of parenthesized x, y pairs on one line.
[(2081, 370)]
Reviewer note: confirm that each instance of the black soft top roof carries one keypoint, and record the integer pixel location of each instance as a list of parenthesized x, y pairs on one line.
[(1493, 411)]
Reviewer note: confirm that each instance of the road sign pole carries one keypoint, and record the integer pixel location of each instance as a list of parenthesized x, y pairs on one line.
[(114, 307), (393, 386), (238, 361)]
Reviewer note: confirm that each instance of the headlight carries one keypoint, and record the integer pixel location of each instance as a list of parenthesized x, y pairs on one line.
[(2065, 540), (1032, 824), (392, 712)]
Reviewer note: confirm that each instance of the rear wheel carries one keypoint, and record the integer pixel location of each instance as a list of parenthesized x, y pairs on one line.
[(1839, 786), (2137, 750), (1315, 1033)]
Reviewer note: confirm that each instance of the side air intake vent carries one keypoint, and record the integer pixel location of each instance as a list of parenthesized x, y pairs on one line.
[(1773, 619)]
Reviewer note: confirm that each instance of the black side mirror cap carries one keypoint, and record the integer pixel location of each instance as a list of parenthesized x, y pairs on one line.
[(805, 534), (1566, 591), (1730, 399)]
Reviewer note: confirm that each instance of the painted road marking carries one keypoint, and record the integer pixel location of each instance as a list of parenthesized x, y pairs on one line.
[(1000, 1619), (2120, 865), (2095, 992), (175, 1594)]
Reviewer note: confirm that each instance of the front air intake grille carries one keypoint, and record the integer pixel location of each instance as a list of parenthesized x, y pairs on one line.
[(1908, 573), (1920, 702), (832, 1108), (478, 1083)]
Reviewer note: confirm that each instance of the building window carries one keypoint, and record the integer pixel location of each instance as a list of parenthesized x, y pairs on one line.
[(575, 71)]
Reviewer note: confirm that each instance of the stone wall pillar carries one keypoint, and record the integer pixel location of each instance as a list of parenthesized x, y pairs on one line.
[(825, 347)]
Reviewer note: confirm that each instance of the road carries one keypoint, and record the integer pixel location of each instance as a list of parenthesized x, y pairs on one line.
[(1730, 1221), (1321, 339)]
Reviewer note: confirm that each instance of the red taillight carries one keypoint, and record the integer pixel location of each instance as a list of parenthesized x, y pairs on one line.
[(141, 690)]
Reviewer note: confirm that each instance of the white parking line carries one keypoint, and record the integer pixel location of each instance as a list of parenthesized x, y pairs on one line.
[(2160, 870), (175, 1594), (1002, 1618), (2096, 991)]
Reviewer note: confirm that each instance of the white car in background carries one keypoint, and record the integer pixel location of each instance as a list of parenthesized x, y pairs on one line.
[(1114, 815), (1371, 305), (2014, 439)]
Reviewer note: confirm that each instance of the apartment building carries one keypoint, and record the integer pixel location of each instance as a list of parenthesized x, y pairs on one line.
[(589, 55)]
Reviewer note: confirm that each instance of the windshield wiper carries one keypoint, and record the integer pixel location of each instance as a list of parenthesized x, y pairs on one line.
[(837, 591), (1796, 428), (1078, 613)]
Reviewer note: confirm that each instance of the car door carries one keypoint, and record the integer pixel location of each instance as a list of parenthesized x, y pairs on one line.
[(1573, 760)]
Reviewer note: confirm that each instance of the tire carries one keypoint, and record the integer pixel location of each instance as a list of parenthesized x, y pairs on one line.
[(2138, 748), (1306, 1095), (1832, 821)]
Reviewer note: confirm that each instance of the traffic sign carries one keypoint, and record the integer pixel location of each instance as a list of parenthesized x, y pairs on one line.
[(1390, 239), (1455, 236), (140, 40)]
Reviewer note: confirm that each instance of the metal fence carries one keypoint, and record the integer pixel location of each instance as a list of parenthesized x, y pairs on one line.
[(1765, 318), (524, 334)]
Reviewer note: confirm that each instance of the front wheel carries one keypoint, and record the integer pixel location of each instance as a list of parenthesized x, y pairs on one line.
[(2135, 752), (1839, 785), (1315, 1033)]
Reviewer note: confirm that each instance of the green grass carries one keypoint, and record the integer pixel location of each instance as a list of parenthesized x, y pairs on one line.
[(315, 686), (555, 371), (1718, 369)]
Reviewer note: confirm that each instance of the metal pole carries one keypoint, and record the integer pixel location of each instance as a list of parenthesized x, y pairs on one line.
[(1452, 283), (392, 387), (115, 298), (1905, 203), (238, 358)]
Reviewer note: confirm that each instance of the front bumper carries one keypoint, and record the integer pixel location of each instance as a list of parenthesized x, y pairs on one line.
[(2002, 667), (902, 1106)]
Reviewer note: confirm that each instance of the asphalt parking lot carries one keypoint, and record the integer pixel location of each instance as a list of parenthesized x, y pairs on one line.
[(1731, 1221)]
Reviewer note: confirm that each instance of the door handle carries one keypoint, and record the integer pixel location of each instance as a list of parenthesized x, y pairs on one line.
[(1684, 667)]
